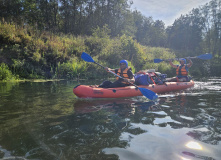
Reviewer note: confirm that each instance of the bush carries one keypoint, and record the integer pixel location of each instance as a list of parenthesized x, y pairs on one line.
[(71, 69), (5, 73)]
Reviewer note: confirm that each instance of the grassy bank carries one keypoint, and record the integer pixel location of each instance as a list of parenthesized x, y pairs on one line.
[(26, 53)]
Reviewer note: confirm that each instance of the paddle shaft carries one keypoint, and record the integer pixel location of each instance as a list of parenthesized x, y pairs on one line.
[(186, 58), (203, 56), (116, 74), (177, 59)]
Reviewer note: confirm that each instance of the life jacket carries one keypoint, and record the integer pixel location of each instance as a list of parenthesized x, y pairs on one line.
[(123, 74), (181, 71)]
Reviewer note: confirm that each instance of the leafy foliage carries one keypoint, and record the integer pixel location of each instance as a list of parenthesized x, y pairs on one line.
[(71, 70), (44, 38), (5, 73), (45, 55)]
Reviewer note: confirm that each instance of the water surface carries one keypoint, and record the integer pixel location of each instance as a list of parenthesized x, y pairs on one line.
[(45, 120)]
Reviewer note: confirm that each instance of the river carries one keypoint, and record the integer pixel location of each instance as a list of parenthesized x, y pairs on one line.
[(46, 121)]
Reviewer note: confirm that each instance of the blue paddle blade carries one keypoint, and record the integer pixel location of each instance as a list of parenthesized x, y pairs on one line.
[(148, 93), (205, 56), (157, 60), (86, 57)]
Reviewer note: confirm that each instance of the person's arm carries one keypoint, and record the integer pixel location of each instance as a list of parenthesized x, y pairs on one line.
[(109, 69), (131, 77), (172, 65), (190, 63)]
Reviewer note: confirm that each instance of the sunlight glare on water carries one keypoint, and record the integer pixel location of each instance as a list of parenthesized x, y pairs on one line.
[(194, 145)]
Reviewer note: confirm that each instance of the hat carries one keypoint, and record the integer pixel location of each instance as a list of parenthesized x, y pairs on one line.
[(124, 61), (183, 59)]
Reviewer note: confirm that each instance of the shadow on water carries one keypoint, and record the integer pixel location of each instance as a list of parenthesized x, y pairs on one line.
[(46, 121)]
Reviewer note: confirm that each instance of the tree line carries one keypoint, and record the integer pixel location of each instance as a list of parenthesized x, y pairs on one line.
[(80, 17), (192, 34), (197, 31)]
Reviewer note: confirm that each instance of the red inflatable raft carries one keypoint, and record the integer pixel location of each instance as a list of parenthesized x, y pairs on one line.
[(85, 91)]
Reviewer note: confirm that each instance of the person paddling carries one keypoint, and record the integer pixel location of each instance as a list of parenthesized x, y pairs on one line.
[(124, 71), (182, 71)]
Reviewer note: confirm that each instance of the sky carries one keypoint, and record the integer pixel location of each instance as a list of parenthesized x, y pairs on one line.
[(166, 10)]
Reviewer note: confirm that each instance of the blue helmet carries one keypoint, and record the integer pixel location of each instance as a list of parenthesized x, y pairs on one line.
[(124, 61), (183, 59)]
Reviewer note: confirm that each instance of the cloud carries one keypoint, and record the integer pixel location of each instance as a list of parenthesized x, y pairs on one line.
[(166, 10)]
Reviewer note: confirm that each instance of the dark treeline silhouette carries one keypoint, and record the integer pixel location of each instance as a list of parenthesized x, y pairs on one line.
[(79, 17), (195, 33)]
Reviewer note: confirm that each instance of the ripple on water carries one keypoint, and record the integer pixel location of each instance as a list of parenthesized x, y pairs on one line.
[(187, 118), (213, 86), (166, 119), (202, 104)]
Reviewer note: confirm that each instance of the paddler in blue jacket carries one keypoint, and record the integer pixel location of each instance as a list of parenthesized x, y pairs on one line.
[(124, 71), (182, 70)]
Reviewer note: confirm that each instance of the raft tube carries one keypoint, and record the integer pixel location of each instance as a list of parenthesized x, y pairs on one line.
[(86, 91)]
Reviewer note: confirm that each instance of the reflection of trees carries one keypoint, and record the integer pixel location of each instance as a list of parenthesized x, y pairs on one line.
[(180, 112), (212, 134), (197, 156), (205, 136), (196, 113), (25, 108), (30, 102), (50, 124), (5, 88), (86, 134)]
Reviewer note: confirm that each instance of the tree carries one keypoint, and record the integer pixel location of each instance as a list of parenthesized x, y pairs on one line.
[(11, 10)]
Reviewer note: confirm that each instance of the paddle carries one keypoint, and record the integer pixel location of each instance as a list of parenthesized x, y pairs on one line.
[(146, 92), (203, 56)]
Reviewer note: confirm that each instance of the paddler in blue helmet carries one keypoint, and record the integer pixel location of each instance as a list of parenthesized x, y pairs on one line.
[(124, 71), (182, 70)]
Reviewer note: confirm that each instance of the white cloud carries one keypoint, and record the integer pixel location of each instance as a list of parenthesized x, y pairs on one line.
[(166, 10)]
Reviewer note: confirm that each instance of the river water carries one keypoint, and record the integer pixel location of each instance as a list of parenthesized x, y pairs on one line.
[(46, 121)]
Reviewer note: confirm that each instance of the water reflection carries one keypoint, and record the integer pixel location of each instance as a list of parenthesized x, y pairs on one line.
[(46, 121)]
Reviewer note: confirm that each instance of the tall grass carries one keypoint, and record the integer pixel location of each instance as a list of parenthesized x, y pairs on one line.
[(71, 70), (34, 54)]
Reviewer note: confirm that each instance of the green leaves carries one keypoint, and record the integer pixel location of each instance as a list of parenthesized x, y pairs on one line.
[(5, 73), (71, 70)]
